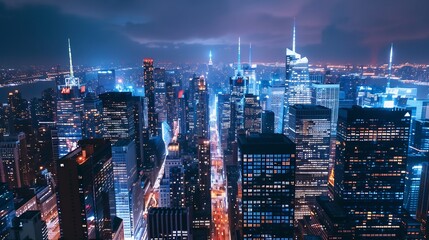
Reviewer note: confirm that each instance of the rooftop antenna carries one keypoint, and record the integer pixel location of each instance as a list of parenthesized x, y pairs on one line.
[(239, 56), (294, 36), (210, 58), (390, 65), (250, 55), (71, 62)]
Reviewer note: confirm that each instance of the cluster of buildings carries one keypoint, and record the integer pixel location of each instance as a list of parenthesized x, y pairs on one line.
[(304, 157)]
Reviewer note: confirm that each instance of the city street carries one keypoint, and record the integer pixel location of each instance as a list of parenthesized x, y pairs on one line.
[(220, 221)]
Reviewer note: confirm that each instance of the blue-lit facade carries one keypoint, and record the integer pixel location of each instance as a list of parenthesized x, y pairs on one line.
[(69, 118), (297, 84), (412, 182), (7, 210), (128, 197)]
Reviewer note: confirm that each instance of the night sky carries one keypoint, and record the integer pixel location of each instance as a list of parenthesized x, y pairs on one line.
[(34, 32)]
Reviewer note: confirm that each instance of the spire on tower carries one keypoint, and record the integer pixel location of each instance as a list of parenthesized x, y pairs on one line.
[(210, 58), (239, 56), (250, 55), (70, 59), (294, 36), (390, 65)]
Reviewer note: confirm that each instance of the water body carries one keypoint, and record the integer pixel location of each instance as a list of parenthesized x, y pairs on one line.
[(28, 91)]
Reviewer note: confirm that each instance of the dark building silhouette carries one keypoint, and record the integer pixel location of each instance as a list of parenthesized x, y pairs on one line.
[(268, 190), (29, 226), (85, 191), (169, 223), (149, 86), (267, 121), (370, 169)]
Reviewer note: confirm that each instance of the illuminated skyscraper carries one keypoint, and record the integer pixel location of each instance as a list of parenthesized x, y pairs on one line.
[(370, 169), (422, 211), (92, 125), (223, 118), (160, 94), (297, 84), (267, 121), (149, 86), (202, 123), (310, 130), (415, 162), (238, 88), (268, 191), (15, 167), (421, 137), (106, 81), (129, 197), (252, 113), (7, 209), (202, 212), (276, 102), (328, 95), (118, 116), (250, 73), (69, 112), (86, 192)]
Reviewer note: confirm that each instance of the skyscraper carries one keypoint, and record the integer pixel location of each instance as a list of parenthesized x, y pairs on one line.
[(268, 191), (202, 111), (202, 212), (160, 93), (310, 130), (252, 113), (118, 117), (276, 102), (413, 176), (370, 168), (169, 223), (297, 84), (149, 86), (15, 167), (106, 81), (223, 118), (7, 210), (128, 192), (267, 121), (85, 191), (92, 124), (328, 95), (69, 112), (29, 226), (421, 136)]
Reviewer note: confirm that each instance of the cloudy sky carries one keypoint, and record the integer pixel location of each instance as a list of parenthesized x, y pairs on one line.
[(124, 31)]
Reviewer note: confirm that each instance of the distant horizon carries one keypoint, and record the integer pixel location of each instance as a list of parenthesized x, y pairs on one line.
[(335, 32)]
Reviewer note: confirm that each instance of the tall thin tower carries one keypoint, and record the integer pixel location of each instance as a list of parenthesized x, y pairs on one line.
[(250, 55), (71, 80), (390, 65), (239, 56), (294, 36), (70, 59), (210, 58)]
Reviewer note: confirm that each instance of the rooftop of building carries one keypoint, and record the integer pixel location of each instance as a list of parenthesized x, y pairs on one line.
[(29, 214), (309, 107), (265, 143), (123, 142)]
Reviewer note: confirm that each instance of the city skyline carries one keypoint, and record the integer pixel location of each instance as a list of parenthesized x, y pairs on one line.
[(117, 32)]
